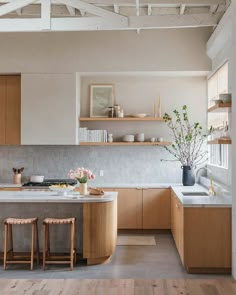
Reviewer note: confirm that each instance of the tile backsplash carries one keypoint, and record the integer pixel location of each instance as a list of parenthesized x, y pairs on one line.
[(120, 164)]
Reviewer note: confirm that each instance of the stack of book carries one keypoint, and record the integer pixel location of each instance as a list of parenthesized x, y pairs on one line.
[(86, 135)]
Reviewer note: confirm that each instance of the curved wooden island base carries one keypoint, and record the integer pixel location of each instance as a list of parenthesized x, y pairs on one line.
[(99, 231), (96, 220)]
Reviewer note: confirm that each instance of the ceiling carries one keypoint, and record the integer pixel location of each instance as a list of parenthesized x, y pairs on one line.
[(93, 15)]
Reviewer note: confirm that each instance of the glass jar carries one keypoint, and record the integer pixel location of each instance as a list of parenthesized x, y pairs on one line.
[(111, 112), (117, 111), (110, 137)]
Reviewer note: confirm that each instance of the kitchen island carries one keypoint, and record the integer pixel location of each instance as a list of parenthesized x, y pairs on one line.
[(96, 230)]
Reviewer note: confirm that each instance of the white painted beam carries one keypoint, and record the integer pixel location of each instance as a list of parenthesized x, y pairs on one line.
[(137, 7), (213, 8), (182, 9), (98, 23), (19, 11), (116, 8), (94, 10), (173, 21), (82, 12), (149, 9), (13, 6), (46, 14), (167, 2), (145, 2), (71, 10)]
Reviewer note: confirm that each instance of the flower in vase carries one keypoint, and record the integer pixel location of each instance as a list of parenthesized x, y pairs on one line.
[(82, 175)]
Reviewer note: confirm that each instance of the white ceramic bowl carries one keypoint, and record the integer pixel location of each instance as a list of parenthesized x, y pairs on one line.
[(61, 190), (128, 138), (36, 178), (139, 115)]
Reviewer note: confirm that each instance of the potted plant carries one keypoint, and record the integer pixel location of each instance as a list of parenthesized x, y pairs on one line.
[(82, 176), (187, 146)]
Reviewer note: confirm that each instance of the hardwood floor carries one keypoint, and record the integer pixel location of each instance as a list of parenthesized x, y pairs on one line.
[(118, 287)]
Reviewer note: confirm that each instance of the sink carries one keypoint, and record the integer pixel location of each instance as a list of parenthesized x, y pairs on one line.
[(195, 194)]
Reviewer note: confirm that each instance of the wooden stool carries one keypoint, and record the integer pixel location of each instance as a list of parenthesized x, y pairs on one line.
[(57, 259), (8, 236)]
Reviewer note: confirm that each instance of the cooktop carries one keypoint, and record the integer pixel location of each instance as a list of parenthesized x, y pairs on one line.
[(47, 182)]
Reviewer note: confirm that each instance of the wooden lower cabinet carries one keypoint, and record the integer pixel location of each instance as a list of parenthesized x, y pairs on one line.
[(177, 226), (156, 208), (202, 236), (130, 208)]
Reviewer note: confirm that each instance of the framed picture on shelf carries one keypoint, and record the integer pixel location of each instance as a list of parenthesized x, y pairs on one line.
[(101, 98)]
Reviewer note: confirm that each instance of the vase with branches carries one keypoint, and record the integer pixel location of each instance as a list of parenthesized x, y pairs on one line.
[(187, 146)]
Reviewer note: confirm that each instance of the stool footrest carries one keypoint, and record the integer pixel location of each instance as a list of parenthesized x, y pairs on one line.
[(57, 262), (18, 262)]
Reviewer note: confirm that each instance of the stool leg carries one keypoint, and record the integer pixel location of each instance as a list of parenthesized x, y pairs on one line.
[(75, 244), (72, 239), (11, 240), (48, 240), (32, 247), (44, 245), (5, 246), (37, 241)]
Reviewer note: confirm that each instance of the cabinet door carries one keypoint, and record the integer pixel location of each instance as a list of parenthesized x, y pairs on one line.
[(2, 109), (177, 224), (49, 109), (129, 208), (156, 208), (13, 109), (208, 237), (174, 216)]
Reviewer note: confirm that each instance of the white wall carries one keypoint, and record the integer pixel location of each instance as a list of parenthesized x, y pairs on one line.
[(136, 94), (218, 49), (151, 50)]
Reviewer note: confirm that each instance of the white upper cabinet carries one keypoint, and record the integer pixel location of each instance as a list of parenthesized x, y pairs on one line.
[(49, 109)]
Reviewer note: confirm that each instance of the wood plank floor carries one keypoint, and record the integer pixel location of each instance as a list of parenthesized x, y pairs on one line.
[(118, 287)]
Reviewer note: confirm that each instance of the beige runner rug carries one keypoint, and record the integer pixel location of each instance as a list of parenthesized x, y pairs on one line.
[(131, 240)]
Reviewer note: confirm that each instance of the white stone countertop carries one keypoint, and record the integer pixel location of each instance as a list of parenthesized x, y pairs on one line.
[(132, 185), (187, 201), (224, 200), (52, 197)]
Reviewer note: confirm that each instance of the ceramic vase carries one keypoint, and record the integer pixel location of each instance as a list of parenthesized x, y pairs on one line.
[(83, 188), (188, 177), (17, 178)]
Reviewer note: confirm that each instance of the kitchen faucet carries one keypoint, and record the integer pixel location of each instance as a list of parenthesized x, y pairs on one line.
[(211, 190)]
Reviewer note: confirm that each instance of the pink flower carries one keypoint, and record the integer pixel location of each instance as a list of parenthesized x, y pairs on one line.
[(81, 174)]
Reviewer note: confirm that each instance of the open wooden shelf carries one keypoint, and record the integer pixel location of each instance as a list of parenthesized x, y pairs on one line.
[(120, 119), (220, 141), (145, 143), (220, 107)]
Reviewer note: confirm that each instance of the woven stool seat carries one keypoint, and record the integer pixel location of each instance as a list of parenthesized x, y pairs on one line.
[(11, 220), (59, 220)]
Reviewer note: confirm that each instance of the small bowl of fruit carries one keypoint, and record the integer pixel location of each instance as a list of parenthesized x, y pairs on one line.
[(62, 189)]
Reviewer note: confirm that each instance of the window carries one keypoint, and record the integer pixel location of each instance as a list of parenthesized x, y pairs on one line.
[(218, 84)]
